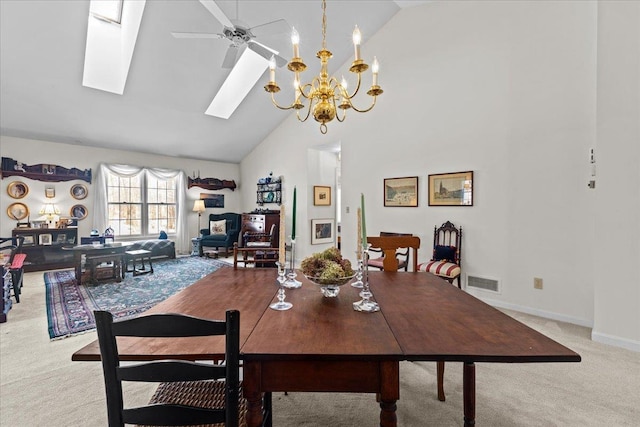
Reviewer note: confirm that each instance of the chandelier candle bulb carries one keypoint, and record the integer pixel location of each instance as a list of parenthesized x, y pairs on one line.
[(281, 246), (375, 67), (272, 69), (295, 40), (357, 39)]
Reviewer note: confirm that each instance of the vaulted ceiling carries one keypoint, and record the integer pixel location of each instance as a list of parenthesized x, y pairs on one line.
[(171, 82)]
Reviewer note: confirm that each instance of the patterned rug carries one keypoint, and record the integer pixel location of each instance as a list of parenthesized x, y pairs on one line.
[(70, 306)]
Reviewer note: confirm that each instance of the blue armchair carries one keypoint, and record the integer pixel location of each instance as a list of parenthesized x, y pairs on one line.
[(221, 240)]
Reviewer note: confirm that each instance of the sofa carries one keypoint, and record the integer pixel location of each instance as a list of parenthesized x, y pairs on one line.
[(159, 248), (222, 232)]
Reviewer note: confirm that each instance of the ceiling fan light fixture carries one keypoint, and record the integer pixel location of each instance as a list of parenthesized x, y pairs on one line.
[(324, 92)]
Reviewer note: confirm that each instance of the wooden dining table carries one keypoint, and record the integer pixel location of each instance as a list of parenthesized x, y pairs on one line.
[(323, 345)]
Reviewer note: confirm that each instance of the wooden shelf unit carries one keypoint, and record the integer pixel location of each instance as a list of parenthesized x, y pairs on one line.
[(47, 256)]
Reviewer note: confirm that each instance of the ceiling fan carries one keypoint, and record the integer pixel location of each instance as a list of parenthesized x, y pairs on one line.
[(246, 57)]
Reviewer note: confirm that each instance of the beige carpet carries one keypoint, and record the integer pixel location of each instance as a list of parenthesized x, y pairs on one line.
[(39, 385)]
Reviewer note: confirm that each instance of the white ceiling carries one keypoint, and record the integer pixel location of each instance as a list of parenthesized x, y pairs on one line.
[(171, 81)]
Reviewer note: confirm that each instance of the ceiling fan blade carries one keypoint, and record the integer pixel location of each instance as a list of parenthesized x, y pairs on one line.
[(215, 10), (197, 35), (266, 52), (230, 57), (279, 26)]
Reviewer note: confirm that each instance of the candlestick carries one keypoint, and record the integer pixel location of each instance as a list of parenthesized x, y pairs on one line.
[(293, 223), (357, 38), (281, 246)]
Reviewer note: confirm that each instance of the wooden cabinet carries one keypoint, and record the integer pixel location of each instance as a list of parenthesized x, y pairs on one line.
[(261, 222), (43, 247)]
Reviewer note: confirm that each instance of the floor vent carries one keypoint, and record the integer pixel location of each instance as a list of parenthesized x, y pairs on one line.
[(483, 283)]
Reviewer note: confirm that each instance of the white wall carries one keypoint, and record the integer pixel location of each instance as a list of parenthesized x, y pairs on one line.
[(508, 90), (617, 193), (33, 152)]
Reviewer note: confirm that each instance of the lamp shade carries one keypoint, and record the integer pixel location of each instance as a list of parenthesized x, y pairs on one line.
[(198, 206), (49, 209)]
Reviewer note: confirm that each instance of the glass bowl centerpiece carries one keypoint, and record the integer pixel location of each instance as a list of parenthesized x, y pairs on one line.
[(328, 270)]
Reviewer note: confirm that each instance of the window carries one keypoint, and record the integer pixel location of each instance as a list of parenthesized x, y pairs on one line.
[(141, 204)]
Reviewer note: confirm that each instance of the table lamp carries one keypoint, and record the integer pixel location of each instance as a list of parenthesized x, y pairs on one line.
[(50, 211), (198, 206)]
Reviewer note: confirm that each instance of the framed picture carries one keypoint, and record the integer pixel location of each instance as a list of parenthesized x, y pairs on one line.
[(50, 192), (322, 231), (17, 189), (79, 191), (212, 200), (451, 189), (78, 211), (28, 240), (17, 211), (401, 191), (61, 238), (321, 195), (44, 239)]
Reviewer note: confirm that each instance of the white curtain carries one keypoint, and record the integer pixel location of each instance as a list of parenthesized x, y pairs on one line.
[(100, 208)]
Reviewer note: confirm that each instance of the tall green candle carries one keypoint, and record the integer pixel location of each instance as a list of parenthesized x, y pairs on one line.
[(293, 224), (364, 225)]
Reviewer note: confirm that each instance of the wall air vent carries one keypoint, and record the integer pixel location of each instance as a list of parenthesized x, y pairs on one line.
[(483, 283)]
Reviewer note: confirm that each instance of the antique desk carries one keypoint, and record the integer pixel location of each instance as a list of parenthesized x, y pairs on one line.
[(322, 344)]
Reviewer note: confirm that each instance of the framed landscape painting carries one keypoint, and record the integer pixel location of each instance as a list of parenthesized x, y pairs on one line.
[(401, 191), (451, 189)]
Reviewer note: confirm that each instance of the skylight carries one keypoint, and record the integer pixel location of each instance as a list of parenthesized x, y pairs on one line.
[(246, 73), (111, 38), (107, 10)]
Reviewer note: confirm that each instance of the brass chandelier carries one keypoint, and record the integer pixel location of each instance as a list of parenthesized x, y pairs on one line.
[(324, 93)]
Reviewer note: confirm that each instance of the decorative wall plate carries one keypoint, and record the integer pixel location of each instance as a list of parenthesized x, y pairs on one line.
[(18, 211), (79, 191), (17, 189), (270, 196), (79, 211)]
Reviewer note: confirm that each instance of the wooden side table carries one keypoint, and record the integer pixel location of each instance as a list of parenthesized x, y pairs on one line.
[(133, 257)]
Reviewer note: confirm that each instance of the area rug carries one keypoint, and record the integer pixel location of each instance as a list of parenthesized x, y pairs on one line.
[(70, 307)]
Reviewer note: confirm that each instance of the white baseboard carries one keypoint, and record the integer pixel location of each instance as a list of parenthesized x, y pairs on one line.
[(537, 312), (615, 341), (595, 336)]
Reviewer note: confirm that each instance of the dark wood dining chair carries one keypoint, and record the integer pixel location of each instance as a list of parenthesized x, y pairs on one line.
[(390, 246), (447, 253), (402, 254), (256, 248), (189, 392), (12, 246)]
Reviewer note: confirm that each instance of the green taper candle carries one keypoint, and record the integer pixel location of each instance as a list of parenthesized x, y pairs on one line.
[(293, 224)]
